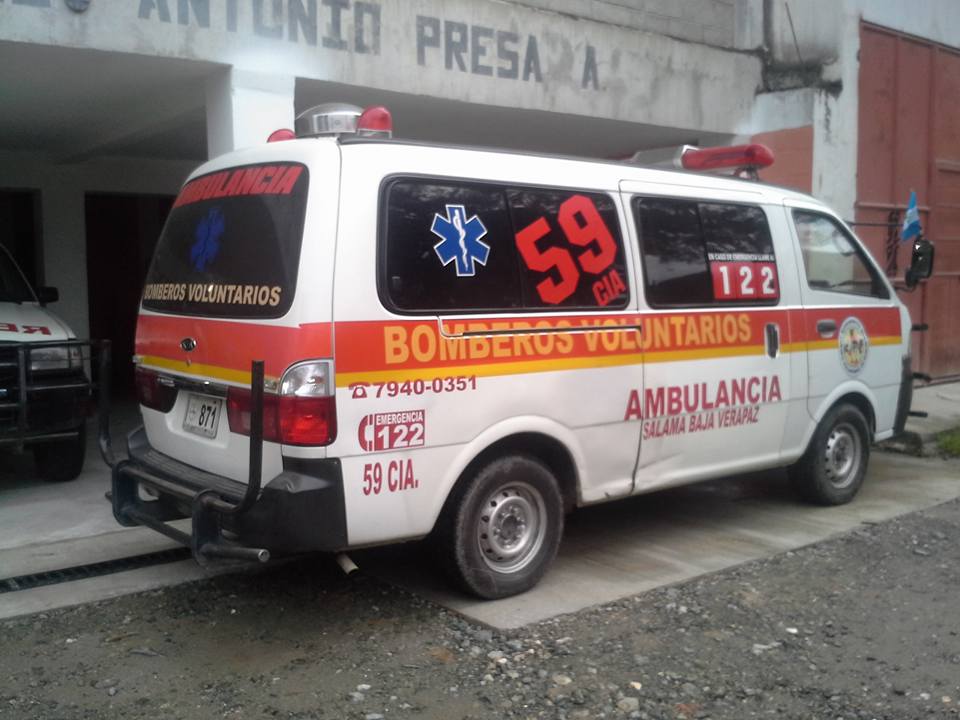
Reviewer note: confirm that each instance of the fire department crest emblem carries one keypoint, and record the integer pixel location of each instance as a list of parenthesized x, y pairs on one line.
[(854, 344)]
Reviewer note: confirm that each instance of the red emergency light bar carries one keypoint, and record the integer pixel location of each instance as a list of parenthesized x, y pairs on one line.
[(739, 156)]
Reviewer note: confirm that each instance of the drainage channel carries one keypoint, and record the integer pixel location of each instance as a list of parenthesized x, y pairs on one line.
[(82, 572)]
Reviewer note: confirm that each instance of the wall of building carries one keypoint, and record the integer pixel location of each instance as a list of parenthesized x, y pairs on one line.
[(804, 32), (491, 53), (62, 192), (712, 22)]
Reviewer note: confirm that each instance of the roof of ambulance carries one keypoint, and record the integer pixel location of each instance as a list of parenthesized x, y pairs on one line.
[(581, 168)]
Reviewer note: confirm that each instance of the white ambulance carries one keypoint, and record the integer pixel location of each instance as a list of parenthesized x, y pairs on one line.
[(346, 340)]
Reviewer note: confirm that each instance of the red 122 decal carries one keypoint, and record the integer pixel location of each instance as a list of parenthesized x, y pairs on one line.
[(745, 280)]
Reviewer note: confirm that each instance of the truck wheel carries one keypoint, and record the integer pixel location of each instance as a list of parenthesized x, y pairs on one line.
[(61, 460), (832, 469), (503, 528)]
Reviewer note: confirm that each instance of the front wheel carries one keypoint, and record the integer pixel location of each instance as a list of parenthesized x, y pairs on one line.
[(503, 527), (832, 469)]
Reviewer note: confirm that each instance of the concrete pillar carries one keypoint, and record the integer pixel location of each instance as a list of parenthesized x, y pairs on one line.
[(244, 107)]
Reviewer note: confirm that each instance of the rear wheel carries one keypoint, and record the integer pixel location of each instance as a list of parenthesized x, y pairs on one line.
[(832, 469), (503, 528), (61, 460)]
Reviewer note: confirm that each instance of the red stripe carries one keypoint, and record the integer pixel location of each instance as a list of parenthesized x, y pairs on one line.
[(232, 345), (402, 344)]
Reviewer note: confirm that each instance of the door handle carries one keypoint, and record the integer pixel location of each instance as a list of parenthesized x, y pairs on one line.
[(773, 339), (827, 328)]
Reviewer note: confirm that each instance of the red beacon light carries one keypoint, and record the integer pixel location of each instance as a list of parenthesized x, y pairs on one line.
[(741, 158), (375, 121), (281, 135)]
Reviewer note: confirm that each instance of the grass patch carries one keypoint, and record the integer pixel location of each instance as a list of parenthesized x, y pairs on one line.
[(949, 442)]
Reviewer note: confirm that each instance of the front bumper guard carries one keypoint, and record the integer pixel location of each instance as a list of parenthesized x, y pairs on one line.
[(77, 395)]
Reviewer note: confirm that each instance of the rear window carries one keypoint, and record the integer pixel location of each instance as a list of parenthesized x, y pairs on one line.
[(231, 246)]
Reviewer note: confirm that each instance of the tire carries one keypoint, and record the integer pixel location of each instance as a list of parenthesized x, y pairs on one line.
[(61, 460), (832, 469), (502, 528)]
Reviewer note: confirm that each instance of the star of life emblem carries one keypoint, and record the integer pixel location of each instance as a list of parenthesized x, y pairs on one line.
[(460, 240)]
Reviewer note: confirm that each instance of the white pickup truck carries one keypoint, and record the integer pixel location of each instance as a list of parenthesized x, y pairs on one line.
[(45, 393)]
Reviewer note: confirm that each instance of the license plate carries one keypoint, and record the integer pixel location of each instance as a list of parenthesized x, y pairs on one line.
[(203, 415)]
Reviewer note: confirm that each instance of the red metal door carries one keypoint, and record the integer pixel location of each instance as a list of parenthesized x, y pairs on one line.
[(909, 139)]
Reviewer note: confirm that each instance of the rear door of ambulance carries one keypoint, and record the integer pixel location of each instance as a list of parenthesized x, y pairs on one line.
[(242, 272)]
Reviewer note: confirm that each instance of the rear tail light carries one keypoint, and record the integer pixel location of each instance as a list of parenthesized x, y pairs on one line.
[(154, 390), (303, 413)]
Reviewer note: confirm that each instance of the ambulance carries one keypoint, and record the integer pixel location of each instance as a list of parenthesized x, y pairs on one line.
[(347, 340)]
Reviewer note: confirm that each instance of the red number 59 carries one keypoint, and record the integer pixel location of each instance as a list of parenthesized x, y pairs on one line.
[(582, 225)]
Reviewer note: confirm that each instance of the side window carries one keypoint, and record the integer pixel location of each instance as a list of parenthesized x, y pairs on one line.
[(570, 249), (697, 254), (449, 247), (743, 267), (459, 246), (832, 260), (675, 266)]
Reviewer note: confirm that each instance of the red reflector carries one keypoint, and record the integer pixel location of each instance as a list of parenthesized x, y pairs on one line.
[(281, 135), (375, 120), (152, 393), (755, 155), (286, 419)]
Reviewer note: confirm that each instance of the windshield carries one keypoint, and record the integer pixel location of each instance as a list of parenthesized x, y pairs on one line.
[(231, 245), (13, 286)]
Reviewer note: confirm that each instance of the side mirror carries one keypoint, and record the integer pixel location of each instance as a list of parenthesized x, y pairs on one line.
[(921, 264), (47, 295)]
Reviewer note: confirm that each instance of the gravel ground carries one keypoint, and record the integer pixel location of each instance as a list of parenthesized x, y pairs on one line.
[(864, 626)]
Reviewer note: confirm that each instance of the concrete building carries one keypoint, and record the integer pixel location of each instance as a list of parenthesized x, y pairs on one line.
[(107, 104)]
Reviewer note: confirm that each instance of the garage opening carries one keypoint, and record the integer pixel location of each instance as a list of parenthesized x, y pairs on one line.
[(20, 231), (122, 231)]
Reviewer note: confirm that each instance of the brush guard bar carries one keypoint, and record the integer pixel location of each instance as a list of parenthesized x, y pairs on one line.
[(209, 506), (73, 393), (300, 510)]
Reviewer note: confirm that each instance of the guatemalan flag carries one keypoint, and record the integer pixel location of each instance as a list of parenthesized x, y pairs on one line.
[(911, 222)]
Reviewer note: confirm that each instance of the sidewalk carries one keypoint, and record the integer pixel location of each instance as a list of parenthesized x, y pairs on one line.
[(942, 403)]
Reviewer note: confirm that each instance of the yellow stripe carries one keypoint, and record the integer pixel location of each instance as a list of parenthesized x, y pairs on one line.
[(547, 365), (832, 344), (199, 369), (521, 367)]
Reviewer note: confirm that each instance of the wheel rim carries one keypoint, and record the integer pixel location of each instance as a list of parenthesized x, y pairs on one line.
[(842, 456), (511, 527)]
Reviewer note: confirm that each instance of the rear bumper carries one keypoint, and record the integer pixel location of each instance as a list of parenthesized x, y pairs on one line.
[(300, 510)]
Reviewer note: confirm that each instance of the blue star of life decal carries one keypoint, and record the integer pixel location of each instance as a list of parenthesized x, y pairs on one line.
[(460, 240), (207, 239)]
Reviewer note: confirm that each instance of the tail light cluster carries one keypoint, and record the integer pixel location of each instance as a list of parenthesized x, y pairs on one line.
[(304, 412), (155, 391)]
